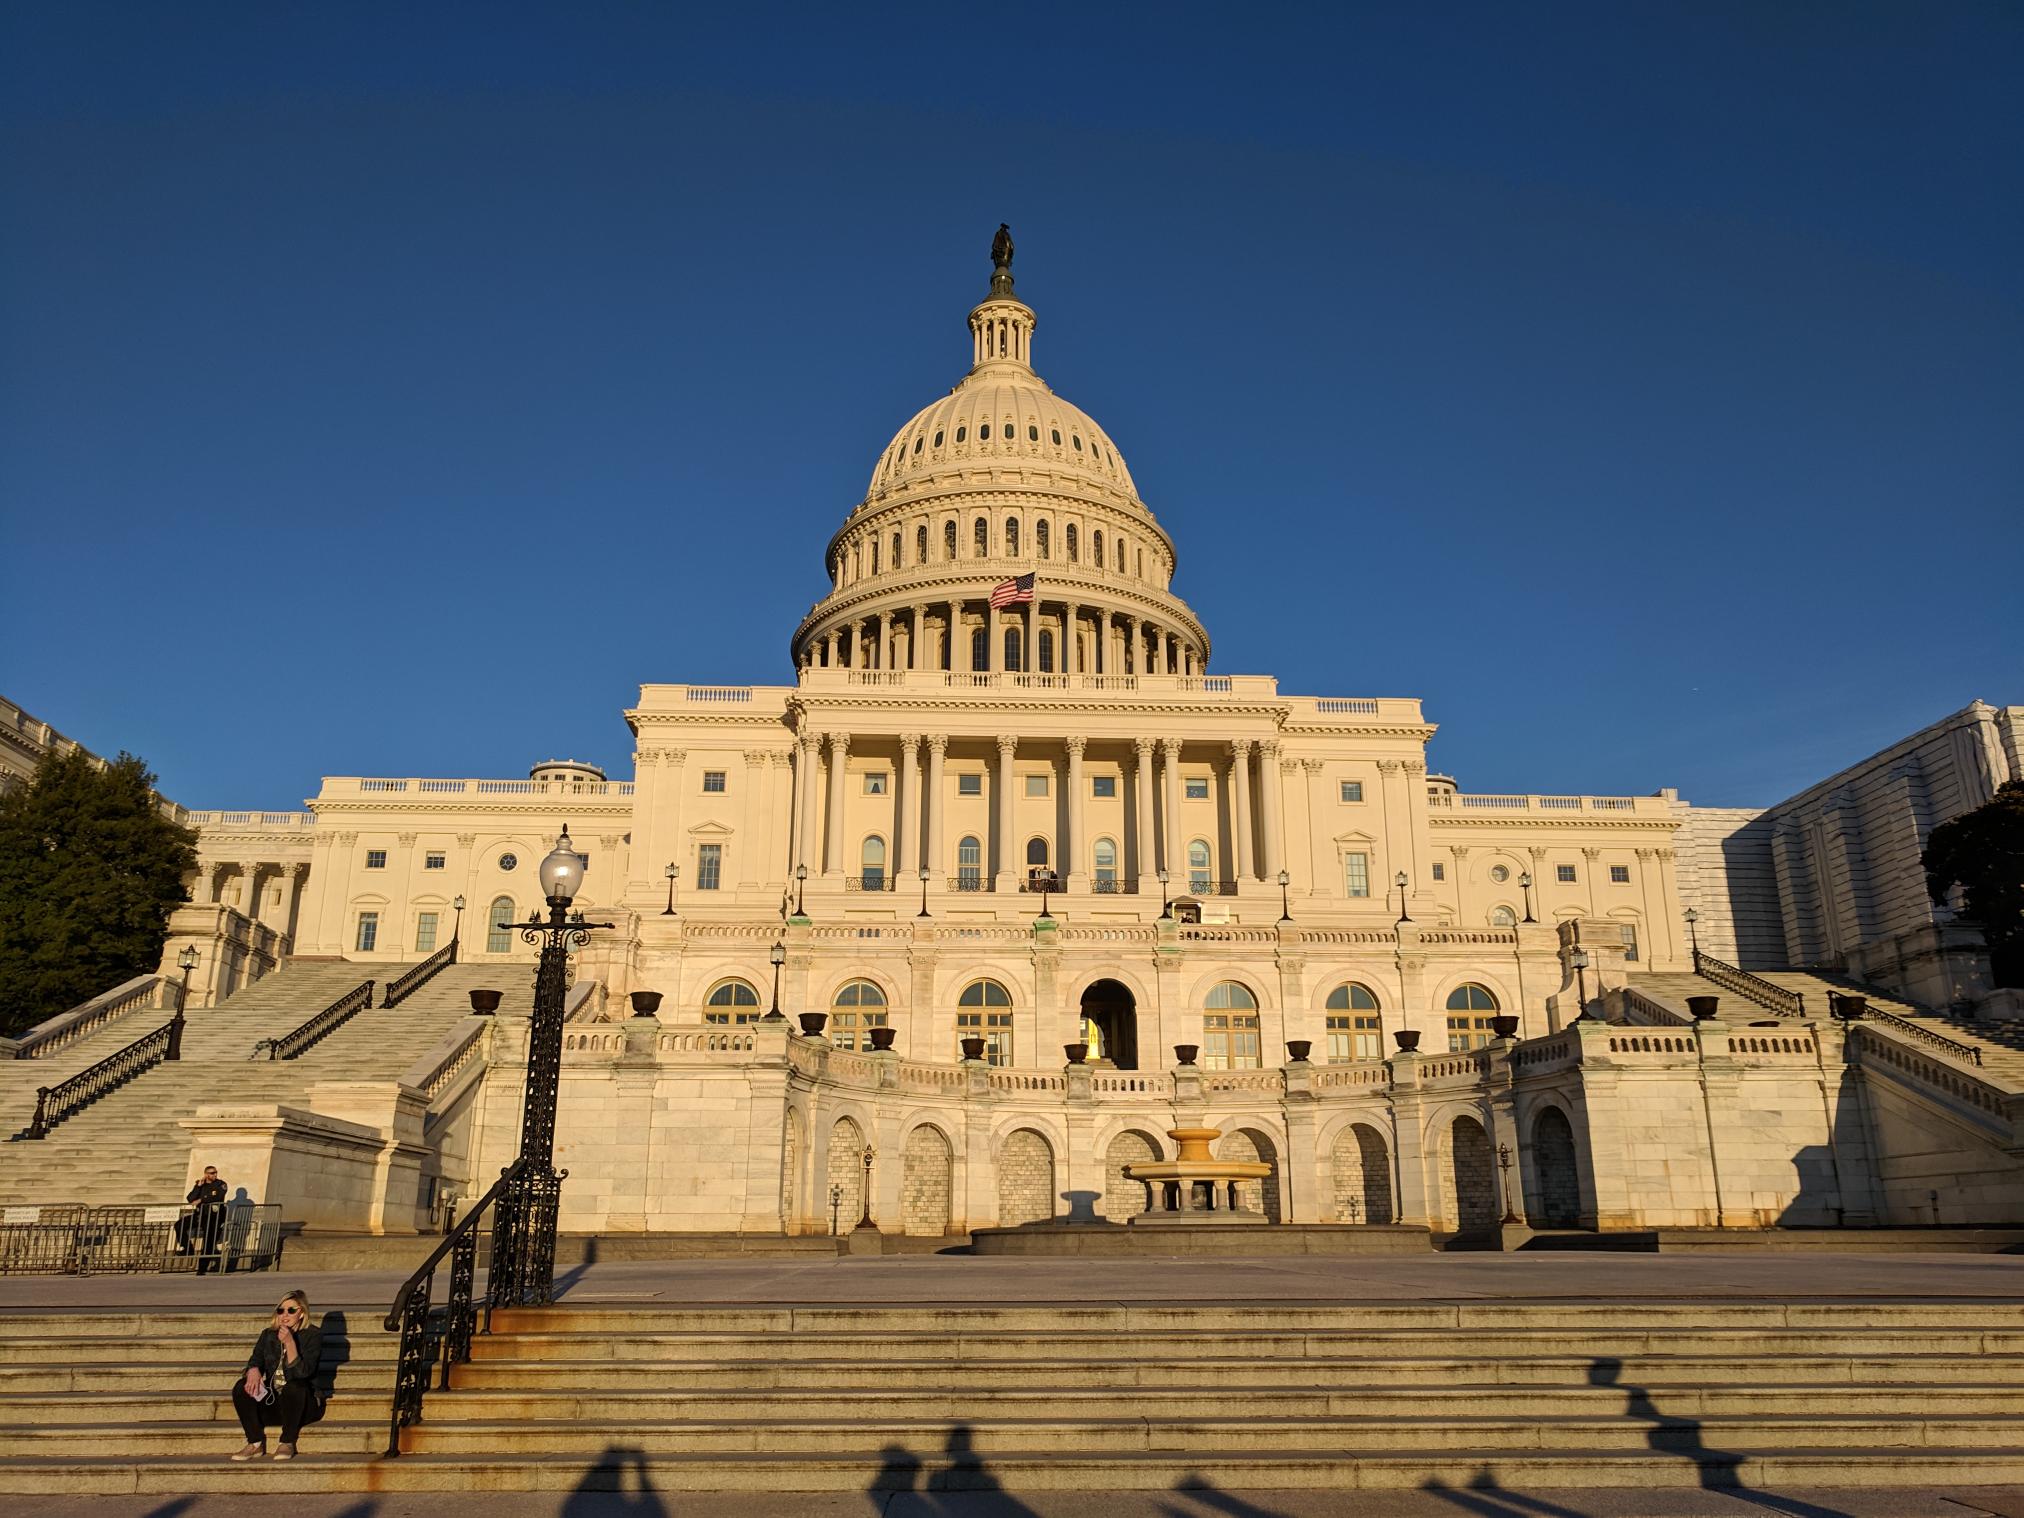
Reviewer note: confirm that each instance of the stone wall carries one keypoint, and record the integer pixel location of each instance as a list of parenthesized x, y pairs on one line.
[(1025, 1179)]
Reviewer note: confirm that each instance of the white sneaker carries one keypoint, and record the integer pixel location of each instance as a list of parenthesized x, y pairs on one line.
[(251, 1452)]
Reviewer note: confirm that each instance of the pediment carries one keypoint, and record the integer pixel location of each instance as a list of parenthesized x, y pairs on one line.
[(710, 829)]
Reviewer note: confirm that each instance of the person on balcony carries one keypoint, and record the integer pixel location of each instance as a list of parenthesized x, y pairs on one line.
[(279, 1385)]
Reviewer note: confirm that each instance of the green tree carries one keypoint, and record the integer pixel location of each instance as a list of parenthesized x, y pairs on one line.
[(89, 872), (1983, 851)]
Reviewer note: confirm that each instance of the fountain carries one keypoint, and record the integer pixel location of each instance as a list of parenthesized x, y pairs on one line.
[(1195, 1187)]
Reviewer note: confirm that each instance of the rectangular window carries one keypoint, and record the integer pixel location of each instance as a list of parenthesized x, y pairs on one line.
[(1352, 1036), (1619, 874), (1103, 787), (971, 784), (1468, 1033), (1440, 872), (995, 1028), (875, 782), (375, 859), (849, 1030), (709, 866), (425, 932), (1036, 785), (1356, 873), (1564, 873), (368, 931), (713, 780), (1230, 1041), (1630, 942), (432, 860), (1352, 790), (1197, 787), (726, 1019)]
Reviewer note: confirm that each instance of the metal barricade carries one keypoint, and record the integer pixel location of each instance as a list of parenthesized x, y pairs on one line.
[(165, 1238)]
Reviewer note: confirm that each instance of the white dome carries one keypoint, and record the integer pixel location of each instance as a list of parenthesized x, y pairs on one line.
[(999, 419)]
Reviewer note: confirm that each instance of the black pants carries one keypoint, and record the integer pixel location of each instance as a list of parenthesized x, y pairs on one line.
[(294, 1405)]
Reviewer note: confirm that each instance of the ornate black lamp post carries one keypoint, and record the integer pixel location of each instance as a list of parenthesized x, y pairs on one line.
[(1504, 1164), (865, 1221), (523, 1249), (1579, 960), (186, 962), (1402, 880), (924, 893), (1166, 905), (1285, 906), (779, 958), (673, 872), (1694, 938), (1525, 885), (1047, 882), (800, 880)]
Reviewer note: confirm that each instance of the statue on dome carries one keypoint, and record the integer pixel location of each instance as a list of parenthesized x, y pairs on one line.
[(1001, 247)]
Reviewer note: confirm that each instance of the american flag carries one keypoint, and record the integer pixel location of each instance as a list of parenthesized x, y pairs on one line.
[(1011, 592)]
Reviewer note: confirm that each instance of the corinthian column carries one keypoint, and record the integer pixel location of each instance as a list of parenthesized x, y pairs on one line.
[(1145, 865), (1240, 808), (906, 805), (1170, 791), (938, 748), (1002, 875), (804, 801), (839, 751), (1271, 806), (1072, 835)]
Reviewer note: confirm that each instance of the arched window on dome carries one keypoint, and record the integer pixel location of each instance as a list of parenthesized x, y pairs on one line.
[(1096, 548), (980, 648), (896, 551), (1074, 550), (1032, 433), (1354, 1028), (962, 433), (1046, 650), (948, 539), (980, 537), (731, 1001), (919, 441), (920, 545), (1011, 537), (1041, 545), (1120, 555), (1230, 1028), (874, 555), (984, 433), (1014, 646)]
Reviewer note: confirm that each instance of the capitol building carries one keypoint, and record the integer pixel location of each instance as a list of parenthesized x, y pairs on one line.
[(1041, 882)]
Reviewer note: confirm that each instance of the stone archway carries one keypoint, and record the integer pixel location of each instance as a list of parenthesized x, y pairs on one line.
[(1254, 1144), (846, 1171), (1558, 1203), (926, 1182), (1362, 1172), (1110, 1023), (1025, 1179), (1124, 1198), (1472, 1177)]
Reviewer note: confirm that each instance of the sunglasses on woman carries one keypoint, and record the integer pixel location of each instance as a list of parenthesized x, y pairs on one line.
[(287, 1312)]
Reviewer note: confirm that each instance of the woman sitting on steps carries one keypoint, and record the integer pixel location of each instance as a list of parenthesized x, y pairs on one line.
[(280, 1381)]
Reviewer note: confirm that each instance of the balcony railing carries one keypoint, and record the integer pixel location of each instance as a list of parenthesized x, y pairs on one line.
[(870, 880), (1113, 887), (1450, 801), (969, 882)]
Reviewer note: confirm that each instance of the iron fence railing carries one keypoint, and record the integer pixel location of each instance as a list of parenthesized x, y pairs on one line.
[(410, 981), (77, 1239), (319, 1027), (66, 1098)]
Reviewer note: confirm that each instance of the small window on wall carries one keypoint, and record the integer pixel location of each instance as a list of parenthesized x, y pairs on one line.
[(1630, 942), (1036, 785), (995, 1028), (368, 932), (1197, 787), (713, 781), (858, 1007), (1354, 1028), (980, 648), (875, 782), (969, 865), (709, 866), (970, 783), (1619, 874), (948, 540), (1470, 1008), (433, 861), (1230, 1028), (920, 545), (498, 933), (1503, 917), (980, 532), (1564, 873), (1440, 872), (1106, 865), (1074, 547), (1352, 790), (1356, 874), (1198, 867), (1103, 787), (425, 932), (375, 859)]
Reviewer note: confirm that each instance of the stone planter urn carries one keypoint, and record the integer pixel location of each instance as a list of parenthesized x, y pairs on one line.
[(882, 1038), (812, 1024), (1076, 1053), (1703, 1007), (1504, 1027), (973, 1048), (1408, 1040), (485, 1003), (1848, 1009), (1297, 1049), (1184, 1054), (646, 1003)]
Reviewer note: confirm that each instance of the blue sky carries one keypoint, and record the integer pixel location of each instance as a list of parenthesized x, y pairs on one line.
[(1638, 385)]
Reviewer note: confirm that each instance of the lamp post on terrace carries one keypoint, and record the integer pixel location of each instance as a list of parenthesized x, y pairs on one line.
[(779, 958), (1166, 902), (924, 893), (1579, 960), (186, 962), (523, 1249), (1285, 906), (1504, 1164), (1402, 880), (1047, 883), (865, 1221), (800, 880), (1525, 884), (1693, 937), (673, 872)]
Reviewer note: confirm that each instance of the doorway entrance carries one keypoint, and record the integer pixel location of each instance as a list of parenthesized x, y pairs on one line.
[(1110, 1024)]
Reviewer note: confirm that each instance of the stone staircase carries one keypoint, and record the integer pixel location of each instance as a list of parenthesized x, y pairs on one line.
[(846, 1397), (127, 1146)]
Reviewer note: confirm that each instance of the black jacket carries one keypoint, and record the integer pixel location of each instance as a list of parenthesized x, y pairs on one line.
[(308, 1351), (207, 1194)]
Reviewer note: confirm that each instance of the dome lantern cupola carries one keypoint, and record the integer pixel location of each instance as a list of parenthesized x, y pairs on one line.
[(1001, 328)]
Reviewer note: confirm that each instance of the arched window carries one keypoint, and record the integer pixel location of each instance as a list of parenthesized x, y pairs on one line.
[(1012, 537), (984, 993), (1036, 860), (857, 1008), (1072, 549), (874, 555), (498, 936), (1015, 646), (1469, 1010), (1140, 571), (1354, 1031), (1040, 536), (731, 1001), (1503, 917), (1120, 555), (896, 551), (1096, 548), (948, 540), (980, 534), (984, 1010), (969, 865), (920, 545), (1106, 866), (1046, 650), (1230, 1028), (980, 648), (1198, 867), (872, 864)]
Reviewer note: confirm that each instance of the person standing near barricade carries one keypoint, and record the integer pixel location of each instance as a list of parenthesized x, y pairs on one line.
[(200, 1230)]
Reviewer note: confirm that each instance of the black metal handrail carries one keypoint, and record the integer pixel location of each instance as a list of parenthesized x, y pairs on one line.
[(410, 1313), (55, 1103), (1732, 978), (319, 1027), (1952, 1047), (410, 981)]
